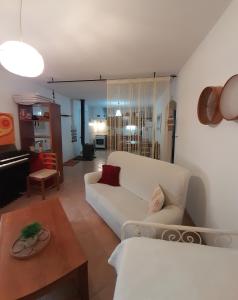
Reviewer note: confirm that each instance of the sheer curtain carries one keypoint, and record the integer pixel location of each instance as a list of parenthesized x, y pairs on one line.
[(136, 115)]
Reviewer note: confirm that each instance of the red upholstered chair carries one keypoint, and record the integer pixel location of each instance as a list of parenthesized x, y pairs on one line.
[(49, 171)]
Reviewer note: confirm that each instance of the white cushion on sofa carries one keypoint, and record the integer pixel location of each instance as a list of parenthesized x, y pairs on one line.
[(116, 204)]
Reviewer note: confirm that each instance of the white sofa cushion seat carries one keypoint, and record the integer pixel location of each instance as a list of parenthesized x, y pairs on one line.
[(116, 205), (169, 214)]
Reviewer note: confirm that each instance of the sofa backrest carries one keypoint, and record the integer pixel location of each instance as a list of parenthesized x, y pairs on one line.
[(141, 175)]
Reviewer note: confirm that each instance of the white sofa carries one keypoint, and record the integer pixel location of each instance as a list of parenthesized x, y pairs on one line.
[(139, 176)]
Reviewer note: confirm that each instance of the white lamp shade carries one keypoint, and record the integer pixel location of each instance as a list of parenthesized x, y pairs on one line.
[(21, 59), (118, 113)]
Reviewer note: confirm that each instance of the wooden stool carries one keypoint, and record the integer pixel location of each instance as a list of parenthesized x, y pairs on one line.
[(50, 170)]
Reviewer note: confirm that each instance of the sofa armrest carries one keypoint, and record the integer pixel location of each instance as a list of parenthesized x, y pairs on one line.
[(93, 177), (170, 214)]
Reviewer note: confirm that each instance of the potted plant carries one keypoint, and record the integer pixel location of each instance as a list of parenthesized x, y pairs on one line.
[(29, 234)]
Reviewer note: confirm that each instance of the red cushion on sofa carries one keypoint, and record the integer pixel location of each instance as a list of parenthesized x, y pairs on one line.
[(110, 175)]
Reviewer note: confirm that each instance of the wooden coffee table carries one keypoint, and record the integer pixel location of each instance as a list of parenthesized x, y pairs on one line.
[(62, 259)]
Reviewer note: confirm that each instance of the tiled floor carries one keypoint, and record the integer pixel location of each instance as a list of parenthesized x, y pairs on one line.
[(95, 236)]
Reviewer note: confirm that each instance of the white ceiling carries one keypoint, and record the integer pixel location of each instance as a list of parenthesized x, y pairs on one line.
[(82, 38), (90, 91)]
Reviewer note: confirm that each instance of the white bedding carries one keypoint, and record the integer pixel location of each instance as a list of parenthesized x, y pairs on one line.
[(149, 269)]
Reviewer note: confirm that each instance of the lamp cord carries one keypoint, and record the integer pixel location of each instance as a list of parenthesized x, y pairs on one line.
[(20, 21)]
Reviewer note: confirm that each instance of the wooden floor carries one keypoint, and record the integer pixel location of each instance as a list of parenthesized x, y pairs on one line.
[(95, 236)]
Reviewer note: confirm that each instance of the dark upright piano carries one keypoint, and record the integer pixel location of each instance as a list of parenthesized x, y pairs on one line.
[(14, 168)]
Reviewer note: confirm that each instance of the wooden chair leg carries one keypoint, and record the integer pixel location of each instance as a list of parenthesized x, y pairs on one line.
[(43, 189), (28, 187)]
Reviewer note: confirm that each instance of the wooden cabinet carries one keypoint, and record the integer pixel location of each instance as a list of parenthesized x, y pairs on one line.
[(40, 128)]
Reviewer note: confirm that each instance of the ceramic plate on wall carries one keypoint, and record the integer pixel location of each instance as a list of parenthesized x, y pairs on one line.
[(229, 99)]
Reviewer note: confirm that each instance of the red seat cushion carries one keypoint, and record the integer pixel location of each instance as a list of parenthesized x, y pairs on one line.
[(110, 175)]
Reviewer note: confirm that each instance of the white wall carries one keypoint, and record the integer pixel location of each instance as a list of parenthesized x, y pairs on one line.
[(66, 123), (11, 84), (97, 116), (88, 137), (211, 153), (162, 109), (77, 125)]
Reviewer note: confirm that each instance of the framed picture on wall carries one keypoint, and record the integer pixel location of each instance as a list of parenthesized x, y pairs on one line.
[(7, 135)]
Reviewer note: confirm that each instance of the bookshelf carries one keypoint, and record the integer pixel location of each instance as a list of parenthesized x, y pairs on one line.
[(40, 129)]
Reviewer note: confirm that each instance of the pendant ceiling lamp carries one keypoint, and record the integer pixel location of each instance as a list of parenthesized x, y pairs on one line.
[(20, 58), (118, 111)]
